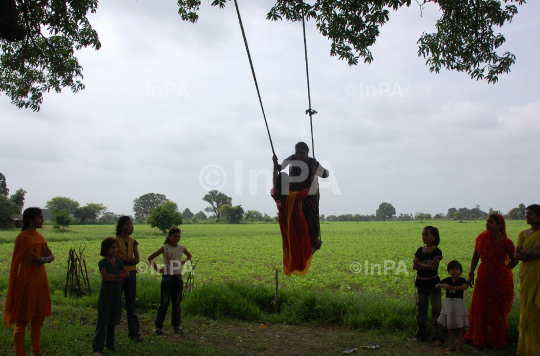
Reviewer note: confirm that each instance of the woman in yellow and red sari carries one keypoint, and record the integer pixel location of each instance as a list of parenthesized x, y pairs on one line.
[(28, 299), (494, 290), (294, 230), (528, 251)]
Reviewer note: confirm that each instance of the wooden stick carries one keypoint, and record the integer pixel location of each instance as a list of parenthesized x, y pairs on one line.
[(277, 286)]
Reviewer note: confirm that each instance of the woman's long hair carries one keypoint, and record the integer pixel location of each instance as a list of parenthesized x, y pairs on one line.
[(30, 214)]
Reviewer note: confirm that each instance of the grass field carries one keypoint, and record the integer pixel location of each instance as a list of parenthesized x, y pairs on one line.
[(238, 262)]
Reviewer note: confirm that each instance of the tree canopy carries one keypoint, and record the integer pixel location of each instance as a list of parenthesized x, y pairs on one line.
[(385, 212), (216, 199), (465, 40), (143, 204), (39, 45), (165, 216), (62, 203), (39, 39)]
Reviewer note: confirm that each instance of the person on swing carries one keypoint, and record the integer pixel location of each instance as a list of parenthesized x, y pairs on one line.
[(300, 163)]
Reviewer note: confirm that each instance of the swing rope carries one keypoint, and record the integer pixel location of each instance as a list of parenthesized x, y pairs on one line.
[(254, 77), (309, 111)]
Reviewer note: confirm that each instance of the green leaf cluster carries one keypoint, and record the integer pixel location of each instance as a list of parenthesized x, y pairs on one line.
[(165, 216)]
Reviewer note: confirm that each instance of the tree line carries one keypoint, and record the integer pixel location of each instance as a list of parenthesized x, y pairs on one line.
[(387, 212)]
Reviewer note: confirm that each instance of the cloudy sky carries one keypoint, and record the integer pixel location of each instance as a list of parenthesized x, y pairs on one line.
[(170, 107)]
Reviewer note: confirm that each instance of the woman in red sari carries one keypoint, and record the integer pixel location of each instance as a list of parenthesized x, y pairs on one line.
[(294, 229), (494, 291)]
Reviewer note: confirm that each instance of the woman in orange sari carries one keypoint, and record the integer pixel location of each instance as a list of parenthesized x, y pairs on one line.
[(494, 291), (28, 298), (294, 230)]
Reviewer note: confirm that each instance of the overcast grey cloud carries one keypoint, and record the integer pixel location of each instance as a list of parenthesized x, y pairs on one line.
[(164, 99)]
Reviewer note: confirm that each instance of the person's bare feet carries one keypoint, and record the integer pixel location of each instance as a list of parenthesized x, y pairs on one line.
[(450, 348), (437, 343), (459, 351)]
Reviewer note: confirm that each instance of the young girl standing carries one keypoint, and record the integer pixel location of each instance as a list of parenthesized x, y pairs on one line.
[(112, 272), (28, 298), (426, 262), (172, 283), (454, 314)]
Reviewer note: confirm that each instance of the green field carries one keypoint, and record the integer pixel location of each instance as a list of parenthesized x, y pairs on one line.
[(246, 256)]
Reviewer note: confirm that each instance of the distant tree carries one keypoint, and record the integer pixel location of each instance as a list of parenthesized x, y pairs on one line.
[(385, 212), (253, 215), (232, 214), (194, 220), (201, 216), (321, 217), (450, 214), (12, 205), (47, 215), (345, 217), (108, 217), (61, 218), (165, 216), (478, 212), (187, 214), (458, 215), (18, 200), (419, 216), (7, 208), (332, 218), (216, 199), (491, 211), (521, 214), (62, 203), (4, 191), (472, 217), (143, 204), (267, 218), (427, 216), (89, 213), (439, 216), (405, 217)]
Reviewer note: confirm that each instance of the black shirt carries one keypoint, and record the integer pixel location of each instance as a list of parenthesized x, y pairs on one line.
[(426, 258), (454, 293)]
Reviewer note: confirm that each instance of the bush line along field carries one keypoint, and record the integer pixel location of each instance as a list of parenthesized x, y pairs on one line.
[(234, 276)]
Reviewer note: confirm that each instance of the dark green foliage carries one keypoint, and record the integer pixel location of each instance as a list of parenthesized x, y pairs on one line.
[(231, 214), (4, 191), (165, 216), (61, 218), (216, 199), (143, 204), (18, 200), (385, 212), (253, 215), (62, 203), (89, 213), (44, 59), (465, 40), (187, 214)]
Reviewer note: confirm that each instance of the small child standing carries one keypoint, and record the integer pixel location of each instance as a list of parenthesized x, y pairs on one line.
[(172, 283), (426, 263), (454, 314), (112, 272)]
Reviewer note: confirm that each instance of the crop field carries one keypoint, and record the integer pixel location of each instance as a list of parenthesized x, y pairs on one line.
[(362, 278), (252, 252)]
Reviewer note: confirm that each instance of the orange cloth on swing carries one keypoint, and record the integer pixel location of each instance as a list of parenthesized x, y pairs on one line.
[(28, 290), (295, 234)]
